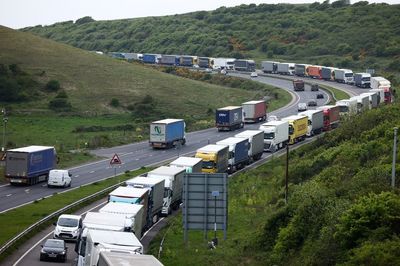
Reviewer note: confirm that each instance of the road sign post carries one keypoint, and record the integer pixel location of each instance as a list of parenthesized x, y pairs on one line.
[(115, 160)]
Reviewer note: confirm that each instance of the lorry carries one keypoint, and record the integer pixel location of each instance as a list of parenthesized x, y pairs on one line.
[(254, 111), (93, 242), (256, 140), (245, 65), (186, 60), (344, 76), (328, 73), (314, 72), (171, 60), (167, 133), (223, 63), (129, 195), (107, 222), (173, 177), (155, 185), (298, 85), (135, 215), (298, 126), (204, 62), (362, 80), (30, 165), (347, 107), (301, 70), (286, 68), (190, 164), (238, 156), (151, 58), (382, 83), (315, 121), (276, 135), (380, 93), (331, 116), (373, 99), (110, 258), (215, 158), (362, 102), (269, 67), (229, 118)]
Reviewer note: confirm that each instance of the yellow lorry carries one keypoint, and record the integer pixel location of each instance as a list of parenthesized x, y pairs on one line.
[(298, 126), (215, 158)]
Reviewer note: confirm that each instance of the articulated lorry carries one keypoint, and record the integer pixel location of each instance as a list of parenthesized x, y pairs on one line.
[(107, 222), (171, 60), (190, 164), (173, 177), (229, 118), (331, 116), (223, 63), (382, 83), (94, 242), (286, 68), (315, 121), (238, 153), (298, 85), (276, 135), (301, 70), (135, 215), (373, 99), (347, 107), (167, 133), (328, 73), (298, 126), (245, 65), (155, 185), (362, 102), (110, 258), (269, 67), (362, 80), (186, 60), (344, 76), (256, 140), (254, 111), (30, 165), (215, 158), (314, 72)]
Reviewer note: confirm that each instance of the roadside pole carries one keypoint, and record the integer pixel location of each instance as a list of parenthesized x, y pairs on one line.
[(115, 160), (394, 158), (287, 173)]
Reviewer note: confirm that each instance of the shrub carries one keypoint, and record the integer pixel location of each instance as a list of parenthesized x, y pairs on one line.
[(114, 102), (53, 85)]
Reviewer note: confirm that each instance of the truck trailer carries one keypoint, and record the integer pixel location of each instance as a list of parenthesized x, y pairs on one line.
[(269, 67), (156, 195), (298, 126), (167, 133), (328, 73), (170, 60), (301, 70), (238, 153), (286, 68), (135, 215), (314, 72), (315, 121), (229, 118), (30, 165), (107, 222), (347, 107), (254, 111), (204, 62), (245, 65), (186, 60), (382, 83), (256, 140), (110, 258), (276, 135), (362, 80), (362, 102), (190, 164), (173, 177), (344, 76), (215, 158), (331, 116), (373, 99), (151, 58)]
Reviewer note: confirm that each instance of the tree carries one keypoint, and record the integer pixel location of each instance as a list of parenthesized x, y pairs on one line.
[(84, 20), (114, 102), (53, 85)]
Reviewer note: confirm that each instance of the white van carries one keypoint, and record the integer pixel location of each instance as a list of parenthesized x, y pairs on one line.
[(68, 227), (59, 178)]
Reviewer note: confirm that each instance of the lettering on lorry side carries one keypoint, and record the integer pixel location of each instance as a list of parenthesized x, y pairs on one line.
[(157, 129), (36, 158), (302, 127), (235, 116)]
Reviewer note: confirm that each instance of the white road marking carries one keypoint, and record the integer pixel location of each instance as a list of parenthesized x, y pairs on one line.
[(76, 176), (151, 228), (5, 185), (27, 190), (8, 195), (91, 172)]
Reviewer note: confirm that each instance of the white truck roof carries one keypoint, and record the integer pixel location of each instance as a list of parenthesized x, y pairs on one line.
[(229, 108), (142, 180), (165, 170), (31, 149), (248, 133), (167, 121), (230, 141), (254, 102), (123, 259), (292, 117), (104, 220), (121, 208), (130, 192), (273, 123), (186, 161), (310, 112), (211, 148), (114, 238)]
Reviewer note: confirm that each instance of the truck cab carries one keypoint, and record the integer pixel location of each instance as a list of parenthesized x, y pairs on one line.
[(215, 158)]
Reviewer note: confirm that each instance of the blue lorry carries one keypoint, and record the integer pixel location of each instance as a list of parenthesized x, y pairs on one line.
[(238, 152), (150, 58), (167, 133), (30, 165), (229, 118)]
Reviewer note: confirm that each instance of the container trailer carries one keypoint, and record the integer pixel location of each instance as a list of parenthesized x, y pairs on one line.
[(254, 111), (315, 121), (215, 158), (245, 65), (269, 67), (382, 83), (331, 116), (229, 118), (238, 152), (328, 73), (167, 133), (256, 140), (190, 164), (276, 135), (314, 72), (298, 126), (286, 68)]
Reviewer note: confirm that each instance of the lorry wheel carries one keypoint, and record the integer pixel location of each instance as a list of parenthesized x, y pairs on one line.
[(183, 142), (155, 218)]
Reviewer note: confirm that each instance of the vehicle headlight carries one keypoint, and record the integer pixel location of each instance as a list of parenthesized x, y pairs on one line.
[(63, 253), (42, 251)]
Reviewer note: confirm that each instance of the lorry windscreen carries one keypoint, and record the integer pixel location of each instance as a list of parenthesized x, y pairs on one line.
[(270, 135), (348, 75), (343, 108), (208, 164)]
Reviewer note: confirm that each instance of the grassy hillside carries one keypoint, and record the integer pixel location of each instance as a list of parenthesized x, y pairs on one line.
[(341, 208), (358, 36)]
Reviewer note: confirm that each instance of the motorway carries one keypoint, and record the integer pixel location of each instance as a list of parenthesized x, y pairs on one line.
[(134, 156)]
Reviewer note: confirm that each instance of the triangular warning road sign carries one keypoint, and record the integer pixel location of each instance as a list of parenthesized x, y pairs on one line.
[(115, 159)]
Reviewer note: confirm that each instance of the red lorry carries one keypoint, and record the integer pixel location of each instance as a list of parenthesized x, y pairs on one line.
[(331, 116), (314, 72)]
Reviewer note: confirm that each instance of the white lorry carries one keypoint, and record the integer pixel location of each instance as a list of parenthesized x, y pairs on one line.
[(276, 135), (286, 68), (94, 242), (362, 102), (256, 140), (173, 189), (110, 258), (344, 76), (362, 80), (107, 222), (373, 99), (135, 215), (156, 195), (315, 121), (269, 66), (380, 93), (190, 164), (222, 63), (347, 106)]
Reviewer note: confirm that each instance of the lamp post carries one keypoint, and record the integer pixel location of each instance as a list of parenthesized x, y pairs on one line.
[(394, 157), (5, 120)]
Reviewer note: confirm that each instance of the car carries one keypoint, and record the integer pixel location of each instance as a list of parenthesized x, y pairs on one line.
[(59, 178), (68, 227), (208, 70), (320, 96), (54, 249), (312, 103), (223, 72), (302, 107), (253, 74), (314, 87)]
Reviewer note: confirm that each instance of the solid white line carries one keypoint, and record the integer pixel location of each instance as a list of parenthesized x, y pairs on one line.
[(46, 236), (151, 228), (27, 190), (76, 176), (5, 185), (91, 172), (8, 195)]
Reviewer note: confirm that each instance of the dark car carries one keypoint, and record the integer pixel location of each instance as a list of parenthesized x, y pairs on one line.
[(320, 96), (314, 87), (312, 103), (54, 249)]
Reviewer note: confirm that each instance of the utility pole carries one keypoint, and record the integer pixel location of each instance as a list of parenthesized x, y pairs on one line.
[(394, 158), (287, 173), (5, 120)]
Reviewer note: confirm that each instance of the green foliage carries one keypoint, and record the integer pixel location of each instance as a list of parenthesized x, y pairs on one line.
[(114, 102), (53, 85), (60, 102), (82, 20)]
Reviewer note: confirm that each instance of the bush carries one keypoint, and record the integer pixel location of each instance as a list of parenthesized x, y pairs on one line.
[(53, 85), (114, 102)]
